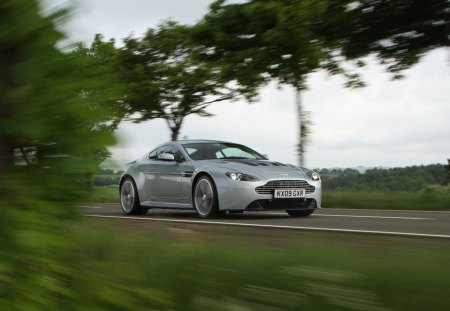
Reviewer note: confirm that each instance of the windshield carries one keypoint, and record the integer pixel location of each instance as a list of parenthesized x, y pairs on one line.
[(208, 151)]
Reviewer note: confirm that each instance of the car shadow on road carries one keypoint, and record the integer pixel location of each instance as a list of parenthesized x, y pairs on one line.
[(192, 215)]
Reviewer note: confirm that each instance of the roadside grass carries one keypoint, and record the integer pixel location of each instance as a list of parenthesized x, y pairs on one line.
[(135, 266), (103, 194), (425, 200), (432, 201)]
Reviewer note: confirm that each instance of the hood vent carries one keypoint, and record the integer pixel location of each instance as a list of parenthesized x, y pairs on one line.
[(242, 162), (277, 164), (256, 163)]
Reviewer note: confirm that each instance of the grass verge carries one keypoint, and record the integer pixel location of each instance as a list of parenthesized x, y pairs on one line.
[(387, 200), (104, 194), (134, 266)]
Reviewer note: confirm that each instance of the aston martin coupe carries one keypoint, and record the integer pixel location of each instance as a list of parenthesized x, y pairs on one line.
[(216, 177)]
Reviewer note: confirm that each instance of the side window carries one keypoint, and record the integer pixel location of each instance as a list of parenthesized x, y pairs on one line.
[(166, 149), (153, 155), (176, 152)]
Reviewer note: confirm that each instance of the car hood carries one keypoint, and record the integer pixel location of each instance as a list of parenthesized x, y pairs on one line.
[(261, 168)]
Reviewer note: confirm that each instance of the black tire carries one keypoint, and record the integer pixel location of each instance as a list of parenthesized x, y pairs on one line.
[(221, 213), (300, 213), (129, 198), (204, 198)]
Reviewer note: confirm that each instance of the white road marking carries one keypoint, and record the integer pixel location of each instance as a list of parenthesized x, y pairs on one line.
[(383, 210), (328, 215), (412, 234), (358, 216), (90, 206), (381, 217)]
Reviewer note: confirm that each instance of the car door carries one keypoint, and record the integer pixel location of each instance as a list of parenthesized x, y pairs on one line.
[(163, 178)]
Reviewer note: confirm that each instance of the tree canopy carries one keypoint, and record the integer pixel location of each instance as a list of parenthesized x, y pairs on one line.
[(289, 39), (163, 78), (398, 32), (282, 40), (257, 41)]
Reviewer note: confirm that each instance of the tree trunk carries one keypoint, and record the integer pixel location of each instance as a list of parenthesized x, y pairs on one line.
[(175, 126), (175, 133), (298, 103)]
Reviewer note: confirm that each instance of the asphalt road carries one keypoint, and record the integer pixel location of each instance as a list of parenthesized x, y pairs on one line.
[(403, 223)]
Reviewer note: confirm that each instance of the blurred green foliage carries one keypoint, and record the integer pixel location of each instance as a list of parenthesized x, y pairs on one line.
[(290, 39), (398, 32), (164, 267), (53, 129), (103, 194)]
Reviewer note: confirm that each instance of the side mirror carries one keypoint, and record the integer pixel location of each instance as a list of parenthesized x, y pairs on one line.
[(166, 157), (266, 156)]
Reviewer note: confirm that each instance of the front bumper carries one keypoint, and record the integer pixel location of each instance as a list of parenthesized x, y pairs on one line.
[(281, 204), (245, 196)]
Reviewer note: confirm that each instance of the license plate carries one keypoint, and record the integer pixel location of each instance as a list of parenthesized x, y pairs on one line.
[(289, 193)]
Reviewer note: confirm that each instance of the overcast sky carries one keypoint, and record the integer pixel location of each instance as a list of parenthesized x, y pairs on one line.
[(388, 123)]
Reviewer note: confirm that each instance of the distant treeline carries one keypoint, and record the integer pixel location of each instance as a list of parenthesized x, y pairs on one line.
[(413, 178)]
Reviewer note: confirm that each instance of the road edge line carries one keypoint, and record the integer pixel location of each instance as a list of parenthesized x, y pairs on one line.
[(407, 234)]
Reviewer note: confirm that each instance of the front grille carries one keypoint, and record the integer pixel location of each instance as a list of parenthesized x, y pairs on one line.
[(285, 184)]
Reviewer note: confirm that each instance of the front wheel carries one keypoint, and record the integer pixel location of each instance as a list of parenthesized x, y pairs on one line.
[(300, 213), (205, 198), (129, 199)]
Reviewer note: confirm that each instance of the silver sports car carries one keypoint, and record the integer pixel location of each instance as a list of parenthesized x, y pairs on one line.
[(214, 177)]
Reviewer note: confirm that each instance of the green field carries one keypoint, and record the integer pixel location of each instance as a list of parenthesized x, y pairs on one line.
[(136, 266), (104, 194), (388, 200), (432, 200)]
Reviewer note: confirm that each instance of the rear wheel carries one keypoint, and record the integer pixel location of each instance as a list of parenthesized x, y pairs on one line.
[(205, 198), (300, 213), (129, 199)]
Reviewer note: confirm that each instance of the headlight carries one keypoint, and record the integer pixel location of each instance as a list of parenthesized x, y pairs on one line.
[(313, 175), (241, 176)]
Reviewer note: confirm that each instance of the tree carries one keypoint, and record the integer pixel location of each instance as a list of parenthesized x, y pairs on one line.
[(164, 79), (99, 62), (282, 40), (447, 167), (48, 135), (398, 32)]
